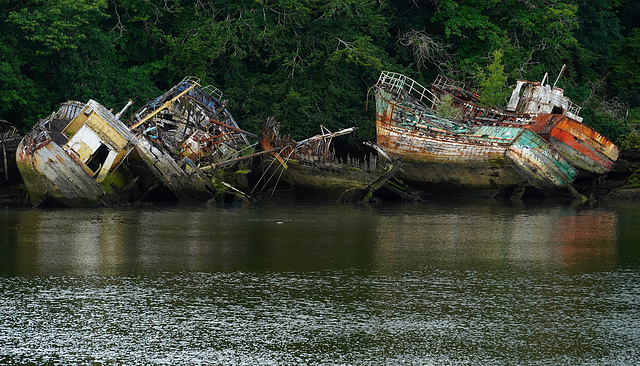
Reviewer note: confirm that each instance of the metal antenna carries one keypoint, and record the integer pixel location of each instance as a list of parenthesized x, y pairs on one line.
[(560, 74)]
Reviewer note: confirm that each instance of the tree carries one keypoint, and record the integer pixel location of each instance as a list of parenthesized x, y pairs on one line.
[(625, 69), (305, 62), (492, 83)]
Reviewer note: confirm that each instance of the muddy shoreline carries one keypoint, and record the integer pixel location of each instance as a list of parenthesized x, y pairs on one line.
[(613, 186)]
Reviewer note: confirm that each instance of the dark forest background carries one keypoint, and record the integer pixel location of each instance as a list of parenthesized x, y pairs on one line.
[(312, 62)]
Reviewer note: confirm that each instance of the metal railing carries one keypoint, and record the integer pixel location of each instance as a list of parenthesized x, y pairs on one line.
[(400, 84), (444, 82), (7, 130), (573, 108), (69, 110)]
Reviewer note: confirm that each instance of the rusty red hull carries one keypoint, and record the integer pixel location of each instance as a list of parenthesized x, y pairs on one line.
[(583, 146)]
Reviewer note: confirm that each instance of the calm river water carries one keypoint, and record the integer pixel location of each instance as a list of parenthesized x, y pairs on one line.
[(437, 283)]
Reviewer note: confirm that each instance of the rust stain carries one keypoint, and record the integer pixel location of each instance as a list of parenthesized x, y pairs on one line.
[(544, 110), (438, 150)]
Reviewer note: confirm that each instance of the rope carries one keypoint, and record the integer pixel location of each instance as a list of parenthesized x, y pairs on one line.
[(280, 176)]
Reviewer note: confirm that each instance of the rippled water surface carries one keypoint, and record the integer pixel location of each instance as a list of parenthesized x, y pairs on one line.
[(437, 283)]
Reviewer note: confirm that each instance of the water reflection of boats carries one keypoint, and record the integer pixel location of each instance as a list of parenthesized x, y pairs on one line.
[(441, 154), (122, 241), (543, 109), (494, 234), (310, 166), (587, 236)]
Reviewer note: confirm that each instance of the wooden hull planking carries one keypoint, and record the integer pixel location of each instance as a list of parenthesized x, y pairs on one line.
[(188, 185), (544, 168), (488, 158), (328, 180), (72, 157), (50, 173), (584, 147)]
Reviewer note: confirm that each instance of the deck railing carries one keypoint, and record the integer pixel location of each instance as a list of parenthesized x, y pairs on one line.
[(444, 82), (399, 84), (573, 108)]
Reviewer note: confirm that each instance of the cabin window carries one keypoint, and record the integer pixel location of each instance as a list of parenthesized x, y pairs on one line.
[(98, 158)]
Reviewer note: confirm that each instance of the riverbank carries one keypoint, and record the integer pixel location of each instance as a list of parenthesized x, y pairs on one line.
[(621, 183)]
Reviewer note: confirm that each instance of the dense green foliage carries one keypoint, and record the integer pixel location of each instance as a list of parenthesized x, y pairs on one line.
[(311, 62)]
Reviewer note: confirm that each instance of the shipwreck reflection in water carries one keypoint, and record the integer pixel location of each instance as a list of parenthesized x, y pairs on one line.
[(123, 241), (454, 284), (132, 240), (494, 235)]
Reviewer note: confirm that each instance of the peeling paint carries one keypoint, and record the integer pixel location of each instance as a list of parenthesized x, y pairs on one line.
[(544, 110), (438, 152), (311, 166), (67, 168)]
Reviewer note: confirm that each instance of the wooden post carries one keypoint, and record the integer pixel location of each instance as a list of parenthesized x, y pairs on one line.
[(162, 107)]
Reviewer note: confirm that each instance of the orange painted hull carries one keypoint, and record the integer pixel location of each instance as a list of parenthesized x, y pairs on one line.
[(583, 146)]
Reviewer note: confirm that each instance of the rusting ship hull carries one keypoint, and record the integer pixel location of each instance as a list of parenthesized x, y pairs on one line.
[(583, 146), (327, 181), (439, 154), (469, 163), (72, 157), (445, 161), (49, 173), (543, 166), (547, 112)]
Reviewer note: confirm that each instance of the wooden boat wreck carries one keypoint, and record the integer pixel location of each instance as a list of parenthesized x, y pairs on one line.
[(312, 169), (179, 147), (545, 110), (190, 147), (9, 140), (73, 157), (439, 154)]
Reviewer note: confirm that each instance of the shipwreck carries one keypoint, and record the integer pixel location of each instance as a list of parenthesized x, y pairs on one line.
[(183, 146), (10, 138), (190, 147), (440, 154), (543, 109), (73, 157), (311, 168)]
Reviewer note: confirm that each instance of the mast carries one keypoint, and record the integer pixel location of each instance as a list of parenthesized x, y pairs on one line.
[(560, 74)]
